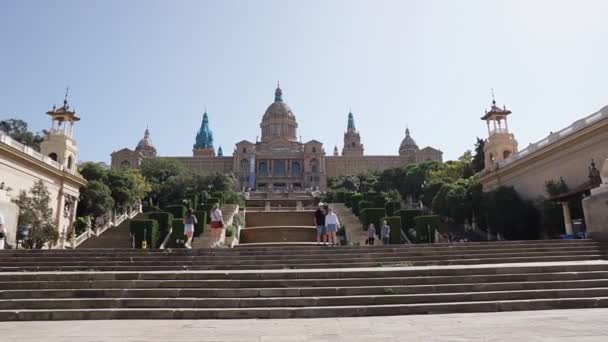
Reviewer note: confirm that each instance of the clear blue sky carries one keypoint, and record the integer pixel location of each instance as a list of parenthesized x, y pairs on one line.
[(425, 64)]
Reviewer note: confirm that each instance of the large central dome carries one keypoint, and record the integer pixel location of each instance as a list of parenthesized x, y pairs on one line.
[(278, 122)]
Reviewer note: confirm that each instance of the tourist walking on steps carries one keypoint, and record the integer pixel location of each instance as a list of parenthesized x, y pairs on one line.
[(331, 225), (385, 233), (189, 222), (319, 220), (371, 234), (217, 225), (2, 232)]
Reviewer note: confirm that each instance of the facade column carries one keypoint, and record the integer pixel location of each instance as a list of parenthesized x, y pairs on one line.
[(567, 218), (506, 125), (488, 124)]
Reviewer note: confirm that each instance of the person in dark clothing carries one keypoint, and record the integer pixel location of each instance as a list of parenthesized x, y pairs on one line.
[(319, 220)]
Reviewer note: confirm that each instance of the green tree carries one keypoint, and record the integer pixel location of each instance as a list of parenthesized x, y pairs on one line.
[(17, 129), (94, 171), (478, 162), (95, 199), (35, 211)]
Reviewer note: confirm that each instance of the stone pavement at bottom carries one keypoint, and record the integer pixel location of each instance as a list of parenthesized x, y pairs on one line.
[(557, 325)]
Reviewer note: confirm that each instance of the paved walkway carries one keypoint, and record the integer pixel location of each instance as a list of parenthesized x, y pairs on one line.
[(544, 326)]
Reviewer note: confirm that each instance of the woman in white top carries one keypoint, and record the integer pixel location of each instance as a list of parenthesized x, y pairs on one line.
[(217, 225), (332, 224)]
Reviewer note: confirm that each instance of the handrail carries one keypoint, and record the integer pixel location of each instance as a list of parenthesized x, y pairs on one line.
[(404, 237), (166, 240)]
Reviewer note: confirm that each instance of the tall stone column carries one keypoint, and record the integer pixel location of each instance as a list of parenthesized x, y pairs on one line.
[(567, 218)]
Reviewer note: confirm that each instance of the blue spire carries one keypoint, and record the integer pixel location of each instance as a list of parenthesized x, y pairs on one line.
[(278, 94), (220, 153), (351, 121), (204, 137)]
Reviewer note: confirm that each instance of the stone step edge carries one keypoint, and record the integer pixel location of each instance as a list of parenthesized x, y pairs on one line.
[(267, 293), (302, 298), (261, 272), (304, 312)]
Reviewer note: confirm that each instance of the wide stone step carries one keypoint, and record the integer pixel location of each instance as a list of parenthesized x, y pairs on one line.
[(238, 278), (329, 253), (367, 300), (273, 264), (489, 244), (378, 289), (331, 258), (304, 312)]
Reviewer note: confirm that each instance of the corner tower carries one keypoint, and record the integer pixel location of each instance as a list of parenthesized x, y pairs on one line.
[(203, 147), (59, 144), (352, 139), (500, 143)]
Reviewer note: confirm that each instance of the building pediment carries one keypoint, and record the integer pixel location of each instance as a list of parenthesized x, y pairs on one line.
[(429, 149)]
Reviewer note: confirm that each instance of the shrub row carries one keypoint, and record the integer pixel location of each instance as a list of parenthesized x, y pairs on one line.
[(144, 230)]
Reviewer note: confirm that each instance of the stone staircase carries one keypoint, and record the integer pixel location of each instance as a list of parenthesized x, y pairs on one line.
[(354, 233), (301, 282), (117, 237), (205, 241)]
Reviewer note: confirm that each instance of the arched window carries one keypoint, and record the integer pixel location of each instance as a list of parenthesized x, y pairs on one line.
[(53, 156), (314, 150), (263, 169), (244, 150), (70, 161), (125, 164), (506, 154)]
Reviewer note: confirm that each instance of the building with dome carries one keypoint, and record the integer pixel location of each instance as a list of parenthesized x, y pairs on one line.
[(279, 160)]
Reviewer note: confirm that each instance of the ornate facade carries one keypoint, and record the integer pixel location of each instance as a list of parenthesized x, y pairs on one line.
[(278, 160)]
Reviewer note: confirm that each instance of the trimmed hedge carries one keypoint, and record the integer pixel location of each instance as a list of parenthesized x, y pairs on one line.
[(144, 230), (363, 205), (407, 218), (164, 223), (178, 230), (423, 223), (392, 208), (341, 196), (213, 200), (178, 211), (355, 200), (220, 195), (395, 223), (375, 197), (348, 199), (201, 217), (372, 215), (207, 209)]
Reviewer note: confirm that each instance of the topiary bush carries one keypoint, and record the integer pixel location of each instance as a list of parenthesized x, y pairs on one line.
[(164, 220), (219, 195), (372, 215), (395, 223), (355, 199), (207, 209), (392, 208), (178, 230), (144, 230), (340, 197), (407, 218), (425, 228), (363, 205), (201, 217), (213, 200), (178, 211), (348, 197)]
